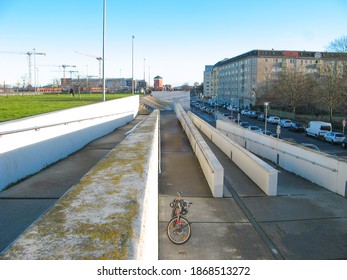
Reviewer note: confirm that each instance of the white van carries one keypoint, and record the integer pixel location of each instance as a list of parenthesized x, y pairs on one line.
[(318, 129)]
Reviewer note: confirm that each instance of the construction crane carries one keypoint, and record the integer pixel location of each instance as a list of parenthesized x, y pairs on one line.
[(64, 73), (98, 58), (29, 54), (64, 66)]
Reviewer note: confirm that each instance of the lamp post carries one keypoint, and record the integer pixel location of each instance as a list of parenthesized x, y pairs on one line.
[(132, 65), (103, 52), (266, 104), (149, 78)]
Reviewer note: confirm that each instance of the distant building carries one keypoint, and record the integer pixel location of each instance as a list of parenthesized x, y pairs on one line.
[(158, 83), (141, 86), (208, 81), (93, 85), (238, 80)]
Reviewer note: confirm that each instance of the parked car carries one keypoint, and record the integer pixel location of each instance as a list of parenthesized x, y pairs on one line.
[(273, 119), (334, 137), (255, 128), (269, 132), (285, 123), (297, 127), (344, 143), (318, 129), (244, 124), (310, 146), (254, 114), (261, 117)]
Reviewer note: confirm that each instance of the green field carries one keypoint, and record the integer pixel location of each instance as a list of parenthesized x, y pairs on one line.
[(19, 106)]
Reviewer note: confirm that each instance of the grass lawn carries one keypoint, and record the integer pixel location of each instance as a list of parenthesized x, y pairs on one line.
[(19, 106)]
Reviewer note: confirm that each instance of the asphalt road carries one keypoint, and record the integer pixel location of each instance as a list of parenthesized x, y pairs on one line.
[(285, 133)]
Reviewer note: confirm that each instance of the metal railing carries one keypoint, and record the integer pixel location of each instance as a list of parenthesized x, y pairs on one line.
[(36, 128)]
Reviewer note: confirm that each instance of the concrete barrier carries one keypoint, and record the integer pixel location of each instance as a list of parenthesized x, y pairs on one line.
[(183, 97), (211, 167), (261, 173), (30, 144), (322, 169), (112, 213)]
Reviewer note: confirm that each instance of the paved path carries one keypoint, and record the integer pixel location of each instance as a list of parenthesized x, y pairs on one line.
[(303, 222), (25, 202)]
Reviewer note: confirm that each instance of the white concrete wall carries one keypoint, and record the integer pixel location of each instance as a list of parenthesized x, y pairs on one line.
[(148, 244), (211, 167), (324, 170), (183, 97), (30, 144), (261, 173), (116, 201)]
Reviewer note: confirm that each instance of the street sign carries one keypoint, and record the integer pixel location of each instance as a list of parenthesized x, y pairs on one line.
[(344, 122)]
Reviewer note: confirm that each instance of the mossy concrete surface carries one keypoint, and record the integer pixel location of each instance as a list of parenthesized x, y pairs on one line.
[(100, 217)]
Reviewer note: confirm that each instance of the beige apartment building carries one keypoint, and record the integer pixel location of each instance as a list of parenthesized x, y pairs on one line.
[(238, 80)]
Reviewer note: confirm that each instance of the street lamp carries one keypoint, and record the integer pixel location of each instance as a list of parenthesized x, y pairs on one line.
[(103, 52), (266, 104), (132, 65)]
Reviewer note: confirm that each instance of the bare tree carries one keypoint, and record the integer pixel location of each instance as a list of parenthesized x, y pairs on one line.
[(331, 89), (338, 45), (288, 90)]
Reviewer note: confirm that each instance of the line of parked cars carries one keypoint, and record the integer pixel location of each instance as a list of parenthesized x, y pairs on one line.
[(317, 129)]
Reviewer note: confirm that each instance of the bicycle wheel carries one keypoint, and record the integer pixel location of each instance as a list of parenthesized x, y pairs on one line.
[(179, 233)]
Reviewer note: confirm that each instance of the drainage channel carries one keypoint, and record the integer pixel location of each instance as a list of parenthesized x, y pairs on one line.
[(270, 245)]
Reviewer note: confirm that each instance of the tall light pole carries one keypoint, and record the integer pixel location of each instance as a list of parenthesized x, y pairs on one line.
[(132, 65), (266, 104), (103, 53), (144, 69), (34, 71), (149, 78)]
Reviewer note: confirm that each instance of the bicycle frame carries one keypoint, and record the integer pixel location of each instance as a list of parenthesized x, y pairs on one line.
[(178, 228)]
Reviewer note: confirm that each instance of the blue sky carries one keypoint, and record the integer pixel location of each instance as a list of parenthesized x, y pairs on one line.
[(173, 39)]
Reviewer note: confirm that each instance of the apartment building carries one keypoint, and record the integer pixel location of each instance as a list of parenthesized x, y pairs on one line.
[(238, 80), (208, 81)]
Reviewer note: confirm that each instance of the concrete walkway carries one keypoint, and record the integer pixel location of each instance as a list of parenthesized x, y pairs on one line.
[(303, 222), (22, 204)]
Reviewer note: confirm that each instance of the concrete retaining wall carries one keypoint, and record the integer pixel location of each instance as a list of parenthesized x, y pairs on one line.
[(261, 173), (183, 97), (112, 213), (30, 144), (327, 171), (211, 167)]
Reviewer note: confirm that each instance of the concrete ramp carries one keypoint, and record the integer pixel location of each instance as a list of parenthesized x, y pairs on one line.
[(151, 103), (104, 216)]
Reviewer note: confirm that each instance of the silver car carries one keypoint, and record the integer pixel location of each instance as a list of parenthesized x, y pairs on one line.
[(334, 137), (285, 123)]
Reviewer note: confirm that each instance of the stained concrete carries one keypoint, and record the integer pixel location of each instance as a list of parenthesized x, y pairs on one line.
[(304, 221), (23, 203)]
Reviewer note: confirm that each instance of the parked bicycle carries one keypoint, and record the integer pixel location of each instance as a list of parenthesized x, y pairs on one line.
[(178, 228)]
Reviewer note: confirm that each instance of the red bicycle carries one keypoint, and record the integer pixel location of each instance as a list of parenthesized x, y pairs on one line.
[(178, 228)]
